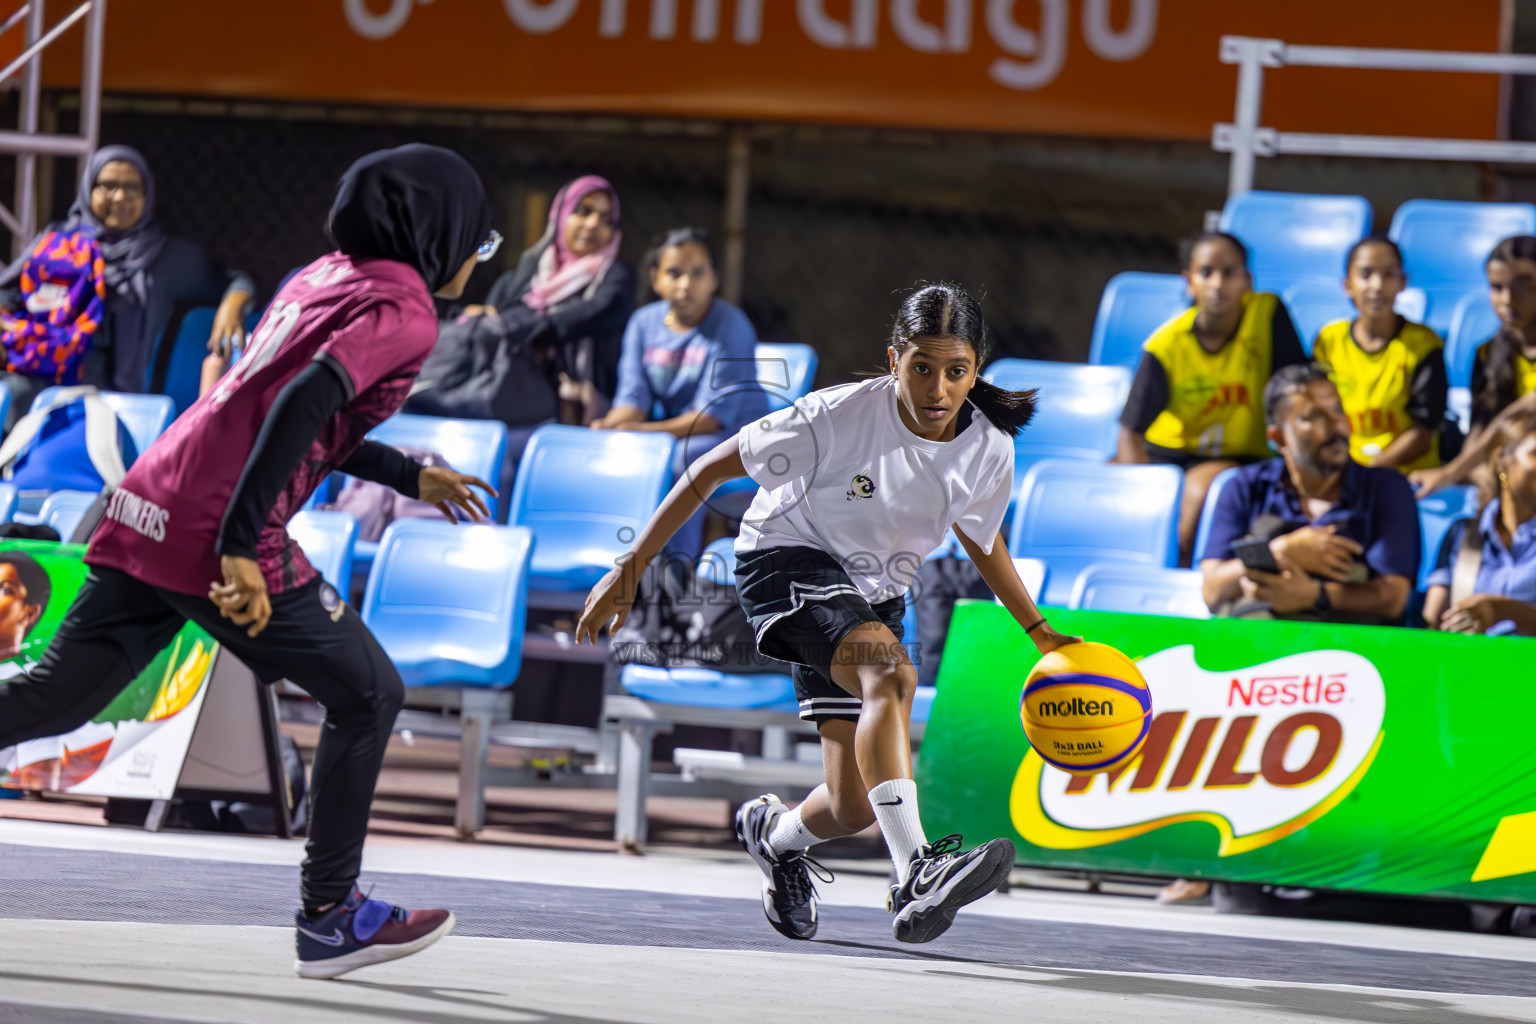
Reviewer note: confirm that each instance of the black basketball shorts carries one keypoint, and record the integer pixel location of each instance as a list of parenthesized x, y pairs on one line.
[(802, 605)]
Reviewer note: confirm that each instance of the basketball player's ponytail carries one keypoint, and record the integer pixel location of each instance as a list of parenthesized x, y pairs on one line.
[(946, 310)]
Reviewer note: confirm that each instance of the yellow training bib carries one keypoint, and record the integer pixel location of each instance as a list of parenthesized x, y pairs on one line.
[(1525, 370), (1215, 400), (1376, 386)]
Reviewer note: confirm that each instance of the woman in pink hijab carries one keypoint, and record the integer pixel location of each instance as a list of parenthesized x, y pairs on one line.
[(580, 293)]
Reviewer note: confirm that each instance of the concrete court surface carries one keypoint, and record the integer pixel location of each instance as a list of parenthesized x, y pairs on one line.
[(100, 926)]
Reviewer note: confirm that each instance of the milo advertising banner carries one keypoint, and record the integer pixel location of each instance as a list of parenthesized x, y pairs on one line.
[(1345, 757), (137, 745)]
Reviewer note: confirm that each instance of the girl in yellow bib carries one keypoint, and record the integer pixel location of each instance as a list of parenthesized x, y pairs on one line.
[(1504, 371), (1390, 371), (1196, 399)]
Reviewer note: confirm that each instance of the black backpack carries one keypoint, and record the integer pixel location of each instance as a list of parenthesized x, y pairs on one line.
[(682, 621), (487, 368)]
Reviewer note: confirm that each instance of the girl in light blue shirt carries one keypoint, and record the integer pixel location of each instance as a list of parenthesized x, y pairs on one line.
[(688, 366)]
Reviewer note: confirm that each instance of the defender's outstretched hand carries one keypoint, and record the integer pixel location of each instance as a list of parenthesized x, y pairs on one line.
[(441, 486)]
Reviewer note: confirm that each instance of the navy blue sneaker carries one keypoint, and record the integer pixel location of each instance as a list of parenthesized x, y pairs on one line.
[(359, 931)]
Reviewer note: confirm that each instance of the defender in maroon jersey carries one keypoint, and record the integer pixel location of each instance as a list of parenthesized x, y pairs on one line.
[(198, 528)]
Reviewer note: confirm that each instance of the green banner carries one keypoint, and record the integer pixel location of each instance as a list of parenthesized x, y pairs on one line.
[(1344, 757), (136, 746)]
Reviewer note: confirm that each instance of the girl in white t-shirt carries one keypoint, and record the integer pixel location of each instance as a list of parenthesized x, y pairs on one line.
[(858, 483)]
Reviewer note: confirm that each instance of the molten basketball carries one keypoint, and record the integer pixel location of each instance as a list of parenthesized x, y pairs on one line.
[(1086, 708)]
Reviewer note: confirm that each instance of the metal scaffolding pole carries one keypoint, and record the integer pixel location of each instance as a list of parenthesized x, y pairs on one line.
[(26, 163), (28, 142), (1246, 139)]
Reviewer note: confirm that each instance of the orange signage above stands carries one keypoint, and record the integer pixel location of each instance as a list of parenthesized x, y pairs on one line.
[(1109, 68)]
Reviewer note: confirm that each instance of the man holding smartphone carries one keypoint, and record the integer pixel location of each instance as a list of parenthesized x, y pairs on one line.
[(1311, 534)]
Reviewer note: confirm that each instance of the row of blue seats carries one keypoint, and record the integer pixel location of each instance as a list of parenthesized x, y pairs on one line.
[(1135, 304), (1298, 244), (785, 372), (1088, 535), (61, 510), (1073, 514), (1074, 510)]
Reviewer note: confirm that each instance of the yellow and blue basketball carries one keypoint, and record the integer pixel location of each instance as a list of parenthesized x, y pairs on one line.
[(1086, 708)]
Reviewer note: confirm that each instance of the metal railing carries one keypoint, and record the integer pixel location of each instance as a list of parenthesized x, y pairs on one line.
[(27, 142), (1247, 140)]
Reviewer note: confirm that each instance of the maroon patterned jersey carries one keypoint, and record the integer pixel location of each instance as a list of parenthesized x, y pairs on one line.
[(373, 318)]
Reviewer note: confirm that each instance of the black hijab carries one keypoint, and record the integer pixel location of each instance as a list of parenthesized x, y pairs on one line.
[(421, 205)]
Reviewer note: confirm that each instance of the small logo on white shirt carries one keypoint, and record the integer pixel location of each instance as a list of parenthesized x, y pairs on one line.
[(863, 487)]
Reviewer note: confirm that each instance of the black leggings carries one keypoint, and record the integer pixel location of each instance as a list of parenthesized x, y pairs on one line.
[(118, 624)]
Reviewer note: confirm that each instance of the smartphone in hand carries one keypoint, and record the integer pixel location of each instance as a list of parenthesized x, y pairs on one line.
[(1254, 553)]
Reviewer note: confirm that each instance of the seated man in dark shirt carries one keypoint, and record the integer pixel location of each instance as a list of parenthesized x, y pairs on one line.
[(1345, 536)]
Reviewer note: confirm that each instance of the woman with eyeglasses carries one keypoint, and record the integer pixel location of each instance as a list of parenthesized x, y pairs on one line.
[(148, 276), (198, 530), (571, 295)]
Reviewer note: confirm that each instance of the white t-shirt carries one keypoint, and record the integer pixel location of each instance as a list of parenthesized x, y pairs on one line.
[(839, 471)]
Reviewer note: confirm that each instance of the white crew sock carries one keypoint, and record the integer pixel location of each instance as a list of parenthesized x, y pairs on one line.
[(790, 834), (895, 804)]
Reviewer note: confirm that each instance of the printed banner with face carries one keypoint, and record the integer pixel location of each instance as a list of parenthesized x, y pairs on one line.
[(136, 746), (1106, 68), (1341, 757)]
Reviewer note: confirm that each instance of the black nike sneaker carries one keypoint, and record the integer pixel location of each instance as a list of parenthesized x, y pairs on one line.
[(789, 895), (941, 880)]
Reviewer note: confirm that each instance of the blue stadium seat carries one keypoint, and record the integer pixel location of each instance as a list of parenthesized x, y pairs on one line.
[(922, 703), (1032, 573), (1132, 307), (183, 363), (1079, 409), (449, 603), (63, 511), (1296, 237), (145, 416), (1437, 514), (1473, 323), (327, 539), (476, 447), (785, 371), (1074, 513), (586, 494), (1140, 590), (1208, 511), (707, 688), (1445, 245), (1413, 302), (1458, 407), (1314, 305), (922, 697), (8, 497), (717, 562)]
